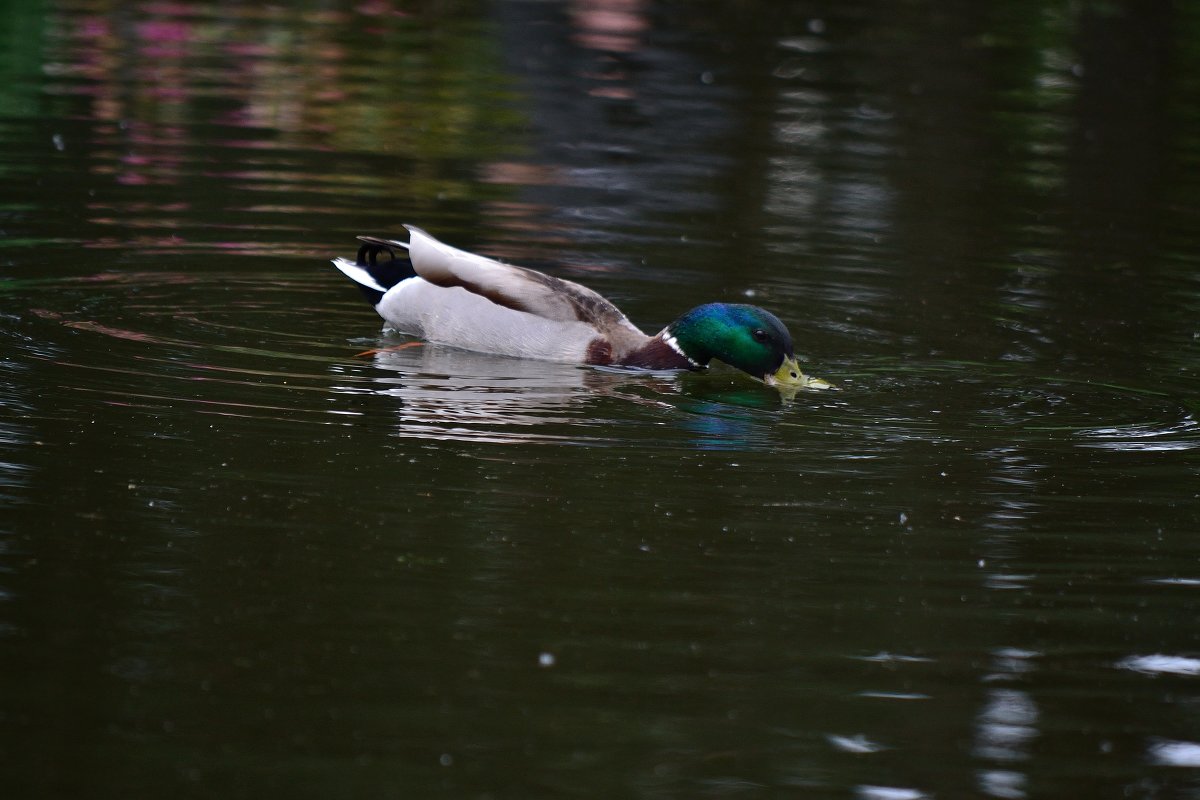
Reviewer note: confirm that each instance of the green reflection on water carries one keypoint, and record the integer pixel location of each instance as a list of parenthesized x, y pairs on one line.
[(21, 57)]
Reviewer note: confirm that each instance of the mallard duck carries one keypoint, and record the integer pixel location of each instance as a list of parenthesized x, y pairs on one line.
[(457, 298)]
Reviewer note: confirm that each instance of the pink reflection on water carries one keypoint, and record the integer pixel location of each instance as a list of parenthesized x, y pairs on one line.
[(249, 49), (519, 174), (174, 54), (379, 8), (176, 245), (96, 327), (93, 28), (164, 38), (172, 9), (612, 25), (164, 31), (174, 90), (142, 207)]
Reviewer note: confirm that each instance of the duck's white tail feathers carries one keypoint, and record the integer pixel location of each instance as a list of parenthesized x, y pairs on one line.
[(358, 274)]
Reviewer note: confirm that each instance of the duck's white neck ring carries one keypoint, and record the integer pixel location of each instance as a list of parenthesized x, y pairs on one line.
[(673, 343)]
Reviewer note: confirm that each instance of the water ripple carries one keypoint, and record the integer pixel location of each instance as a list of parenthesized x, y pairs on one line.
[(232, 343), (1144, 437)]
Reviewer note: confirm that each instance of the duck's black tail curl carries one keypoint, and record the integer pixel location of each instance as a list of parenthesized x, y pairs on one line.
[(375, 277)]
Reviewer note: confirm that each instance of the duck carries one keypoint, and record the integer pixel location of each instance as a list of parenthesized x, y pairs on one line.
[(448, 296)]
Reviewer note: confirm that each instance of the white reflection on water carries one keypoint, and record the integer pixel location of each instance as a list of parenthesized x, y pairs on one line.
[(1174, 754), (855, 744), (884, 657), (1147, 447), (454, 394), (895, 695), (15, 436), (450, 394), (1161, 664), (1011, 662), (1006, 725), (1002, 783), (1005, 581), (889, 793), (1145, 437)]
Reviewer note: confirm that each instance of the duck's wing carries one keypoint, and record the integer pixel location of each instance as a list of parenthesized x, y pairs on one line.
[(519, 288)]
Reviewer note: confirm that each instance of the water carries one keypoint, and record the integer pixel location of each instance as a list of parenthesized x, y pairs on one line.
[(250, 546)]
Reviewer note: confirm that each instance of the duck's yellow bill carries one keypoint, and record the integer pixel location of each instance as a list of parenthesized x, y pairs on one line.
[(789, 376)]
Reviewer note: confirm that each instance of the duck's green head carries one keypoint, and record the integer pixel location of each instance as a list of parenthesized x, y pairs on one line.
[(747, 337)]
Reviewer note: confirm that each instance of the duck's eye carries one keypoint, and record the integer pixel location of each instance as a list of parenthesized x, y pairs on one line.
[(759, 335)]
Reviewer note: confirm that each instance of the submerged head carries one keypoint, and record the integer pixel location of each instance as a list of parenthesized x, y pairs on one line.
[(747, 337)]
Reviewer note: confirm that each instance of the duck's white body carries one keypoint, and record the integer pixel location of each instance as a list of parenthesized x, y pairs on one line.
[(452, 315), (466, 300)]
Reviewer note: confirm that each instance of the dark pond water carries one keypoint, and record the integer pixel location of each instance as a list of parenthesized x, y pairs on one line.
[(246, 550)]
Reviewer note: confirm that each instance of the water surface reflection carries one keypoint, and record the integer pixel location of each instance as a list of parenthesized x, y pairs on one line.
[(240, 557), (445, 393)]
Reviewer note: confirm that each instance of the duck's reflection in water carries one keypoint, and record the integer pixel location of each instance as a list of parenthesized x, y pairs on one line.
[(450, 394), (447, 393)]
